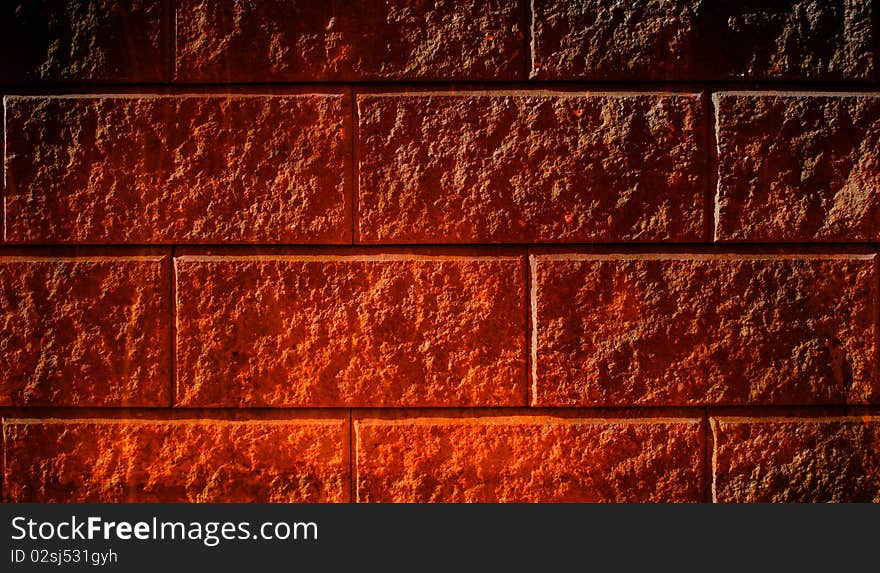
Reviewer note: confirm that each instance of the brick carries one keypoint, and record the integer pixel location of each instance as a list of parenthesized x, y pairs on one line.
[(797, 460), (660, 329), (83, 41), (528, 459), (165, 169), (696, 40), (146, 461), (511, 167), (85, 331), (798, 167), (277, 40), (372, 330)]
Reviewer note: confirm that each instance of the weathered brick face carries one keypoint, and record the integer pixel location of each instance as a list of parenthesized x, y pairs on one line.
[(516, 168), (177, 169), (697, 40), (528, 459), (90, 330), (704, 329), (798, 167), (359, 40), (104, 461), (440, 251), (72, 41), (797, 460), (383, 330)]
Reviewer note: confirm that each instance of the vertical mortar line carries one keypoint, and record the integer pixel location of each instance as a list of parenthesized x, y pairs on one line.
[(533, 326), (354, 159), (708, 449), (528, 23), (711, 198), (713, 458), (527, 296), (173, 336)]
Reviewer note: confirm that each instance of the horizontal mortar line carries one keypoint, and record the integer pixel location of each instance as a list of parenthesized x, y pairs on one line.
[(449, 80), (304, 413), (469, 85), (350, 246)]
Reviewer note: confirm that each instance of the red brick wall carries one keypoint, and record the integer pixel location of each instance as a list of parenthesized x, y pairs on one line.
[(437, 250)]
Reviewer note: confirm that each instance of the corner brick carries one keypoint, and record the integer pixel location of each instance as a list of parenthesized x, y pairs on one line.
[(696, 40), (798, 167), (383, 330), (528, 459), (112, 461), (799, 460), (165, 169), (510, 167), (85, 331), (83, 41), (275, 40), (624, 330)]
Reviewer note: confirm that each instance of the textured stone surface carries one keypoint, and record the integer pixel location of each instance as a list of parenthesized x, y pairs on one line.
[(696, 39), (528, 459), (798, 167), (83, 41), (704, 329), (796, 460), (107, 461), (89, 331), (278, 40), (145, 169), (605, 39), (493, 167), (384, 330)]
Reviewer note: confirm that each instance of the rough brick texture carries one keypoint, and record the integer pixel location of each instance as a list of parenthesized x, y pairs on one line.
[(83, 41), (383, 330), (277, 40), (712, 329), (194, 169), (107, 461), (440, 250), (513, 167), (528, 459), (85, 331), (709, 40), (798, 167), (796, 460)]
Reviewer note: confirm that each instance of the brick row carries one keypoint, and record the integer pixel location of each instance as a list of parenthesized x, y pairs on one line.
[(433, 168), (535, 459), (473, 167), (423, 328), (423, 459), (263, 330), (279, 41)]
